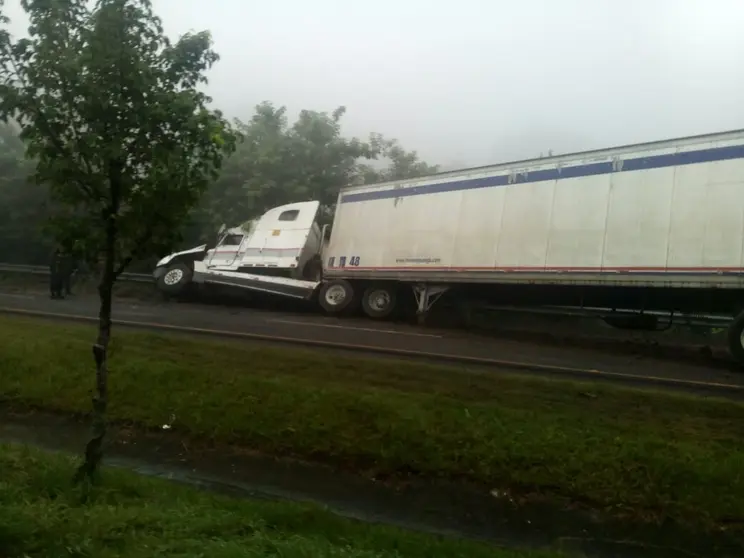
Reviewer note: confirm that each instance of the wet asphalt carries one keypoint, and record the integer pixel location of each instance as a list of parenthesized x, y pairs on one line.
[(359, 334)]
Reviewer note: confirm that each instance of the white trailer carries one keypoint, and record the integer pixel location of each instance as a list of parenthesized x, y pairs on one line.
[(657, 225)]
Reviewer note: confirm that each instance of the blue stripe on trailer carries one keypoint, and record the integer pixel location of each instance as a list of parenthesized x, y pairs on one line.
[(591, 169)]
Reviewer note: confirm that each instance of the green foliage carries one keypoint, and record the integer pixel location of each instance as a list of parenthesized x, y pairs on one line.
[(112, 114), (279, 163), (402, 164), (24, 206), (645, 455), (148, 123), (136, 517)]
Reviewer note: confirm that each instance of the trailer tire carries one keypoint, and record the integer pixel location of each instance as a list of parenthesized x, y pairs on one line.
[(176, 279), (336, 296), (736, 338), (379, 301)]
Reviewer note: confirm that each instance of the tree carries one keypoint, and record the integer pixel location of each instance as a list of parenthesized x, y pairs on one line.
[(111, 113), (402, 164), (324, 159), (23, 204), (277, 163), (258, 175)]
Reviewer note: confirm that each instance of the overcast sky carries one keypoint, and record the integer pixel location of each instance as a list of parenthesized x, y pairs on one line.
[(472, 82)]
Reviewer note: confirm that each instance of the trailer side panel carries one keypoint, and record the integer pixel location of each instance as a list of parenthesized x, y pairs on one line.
[(663, 214)]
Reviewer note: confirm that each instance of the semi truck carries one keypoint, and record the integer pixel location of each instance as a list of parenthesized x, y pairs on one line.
[(648, 228)]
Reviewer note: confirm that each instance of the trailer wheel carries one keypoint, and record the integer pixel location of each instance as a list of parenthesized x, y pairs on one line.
[(175, 280), (378, 301), (336, 296), (736, 338)]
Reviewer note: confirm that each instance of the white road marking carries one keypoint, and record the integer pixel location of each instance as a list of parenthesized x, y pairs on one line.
[(370, 329)]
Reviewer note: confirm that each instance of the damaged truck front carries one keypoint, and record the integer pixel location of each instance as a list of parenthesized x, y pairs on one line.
[(279, 253)]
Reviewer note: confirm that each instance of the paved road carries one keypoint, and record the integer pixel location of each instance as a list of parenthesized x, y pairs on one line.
[(372, 334)]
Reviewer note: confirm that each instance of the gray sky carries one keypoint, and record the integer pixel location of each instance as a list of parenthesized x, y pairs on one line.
[(471, 82)]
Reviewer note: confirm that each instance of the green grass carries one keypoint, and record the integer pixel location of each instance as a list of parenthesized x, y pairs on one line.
[(128, 516), (651, 456)]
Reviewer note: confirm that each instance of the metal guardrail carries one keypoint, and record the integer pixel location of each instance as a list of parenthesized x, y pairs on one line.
[(43, 270)]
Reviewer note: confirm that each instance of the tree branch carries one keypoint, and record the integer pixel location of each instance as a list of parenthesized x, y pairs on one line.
[(54, 138), (134, 253)]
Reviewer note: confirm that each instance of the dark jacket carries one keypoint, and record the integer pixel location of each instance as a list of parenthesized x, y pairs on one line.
[(62, 262), (67, 263), (56, 262)]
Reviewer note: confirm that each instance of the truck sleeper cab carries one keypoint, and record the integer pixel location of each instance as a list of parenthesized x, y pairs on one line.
[(280, 253)]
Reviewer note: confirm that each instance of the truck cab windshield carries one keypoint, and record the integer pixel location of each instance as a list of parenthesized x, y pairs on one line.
[(232, 240)]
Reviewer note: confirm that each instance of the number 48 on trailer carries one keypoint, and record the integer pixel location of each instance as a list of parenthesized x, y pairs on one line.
[(343, 260)]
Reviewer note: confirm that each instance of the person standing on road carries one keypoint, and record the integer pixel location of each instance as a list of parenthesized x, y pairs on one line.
[(69, 267), (80, 266), (55, 274), (67, 270)]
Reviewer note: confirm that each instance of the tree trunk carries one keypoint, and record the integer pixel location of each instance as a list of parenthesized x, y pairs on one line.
[(94, 448)]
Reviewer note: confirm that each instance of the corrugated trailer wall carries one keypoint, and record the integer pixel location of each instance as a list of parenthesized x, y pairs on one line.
[(668, 213)]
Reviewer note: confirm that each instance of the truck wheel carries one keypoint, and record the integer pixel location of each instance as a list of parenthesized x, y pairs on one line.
[(736, 338), (379, 301), (175, 280), (336, 296)]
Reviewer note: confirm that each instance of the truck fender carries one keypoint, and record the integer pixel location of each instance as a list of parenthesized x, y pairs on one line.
[(191, 253)]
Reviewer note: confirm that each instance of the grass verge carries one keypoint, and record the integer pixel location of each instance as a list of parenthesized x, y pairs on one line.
[(648, 455), (129, 516)]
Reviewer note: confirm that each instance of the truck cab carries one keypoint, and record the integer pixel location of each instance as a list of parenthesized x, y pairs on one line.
[(284, 243)]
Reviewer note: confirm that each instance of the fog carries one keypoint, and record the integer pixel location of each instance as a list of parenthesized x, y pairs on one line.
[(470, 82)]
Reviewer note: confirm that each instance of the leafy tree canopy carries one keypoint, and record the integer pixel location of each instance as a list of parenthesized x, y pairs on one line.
[(111, 112), (60, 86), (112, 115), (280, 163)]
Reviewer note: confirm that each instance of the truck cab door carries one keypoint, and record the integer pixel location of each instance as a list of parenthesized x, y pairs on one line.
[(225, 254)]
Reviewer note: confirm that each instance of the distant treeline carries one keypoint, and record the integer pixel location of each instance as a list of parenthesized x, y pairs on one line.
[(276, 163)]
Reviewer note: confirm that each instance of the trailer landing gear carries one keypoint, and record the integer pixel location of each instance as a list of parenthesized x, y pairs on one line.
[(426, 297)]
